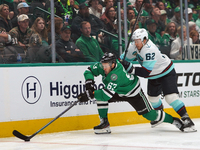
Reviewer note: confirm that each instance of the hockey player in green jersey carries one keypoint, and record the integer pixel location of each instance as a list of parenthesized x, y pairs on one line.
[(119, 86)]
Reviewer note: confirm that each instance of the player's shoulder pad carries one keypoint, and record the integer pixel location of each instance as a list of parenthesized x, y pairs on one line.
[(132, 46), (96, 66), (150, 45)]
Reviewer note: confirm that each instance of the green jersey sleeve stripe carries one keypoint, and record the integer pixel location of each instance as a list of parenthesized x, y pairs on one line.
[(108, 93), (132, 92)]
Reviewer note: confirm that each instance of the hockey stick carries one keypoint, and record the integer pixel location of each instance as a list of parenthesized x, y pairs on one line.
[(138, 16), (27, 138)]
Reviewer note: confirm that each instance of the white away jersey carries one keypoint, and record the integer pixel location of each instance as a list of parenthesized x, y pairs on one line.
[(154, 64)]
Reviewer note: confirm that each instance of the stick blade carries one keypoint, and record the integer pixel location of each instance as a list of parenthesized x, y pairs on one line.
[(21, 136)]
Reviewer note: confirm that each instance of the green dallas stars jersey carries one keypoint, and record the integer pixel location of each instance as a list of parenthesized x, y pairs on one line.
[(117, 81)]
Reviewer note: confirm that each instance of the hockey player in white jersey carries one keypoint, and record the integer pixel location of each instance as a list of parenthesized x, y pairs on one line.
[(160, 72)]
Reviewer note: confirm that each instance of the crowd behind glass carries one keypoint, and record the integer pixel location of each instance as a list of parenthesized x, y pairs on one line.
[(25, 31)]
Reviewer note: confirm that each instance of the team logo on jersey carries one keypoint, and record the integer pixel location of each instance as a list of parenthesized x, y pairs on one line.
[(113, 77), (140, 59), (134, 53)]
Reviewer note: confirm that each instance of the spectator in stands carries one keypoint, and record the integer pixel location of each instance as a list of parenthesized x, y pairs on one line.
[(81, 1), (142, 22), (138, 4), (22, 32), (22, 8), (155, 15), (177, 17), (108, 19), (39, 28), (194, 12), (58, 26), (84, 15), (193, 4), (192, 26), (170, 34), (190, 18), (144, 14), (88, 45), (11, 3), (65, 11), (4, 39), (114, 48), (38, 3), (171, 4), (132, 22), (95, 8), (148, 6), (169, 11), (75, 4), (130, 14), (121, 3), (66, 48), (5, 21), (153, 35), (37, 53), (108, 3), (194, 35), (198, 21), (122, 14), (176, 49), (163, 17), (130, 3)]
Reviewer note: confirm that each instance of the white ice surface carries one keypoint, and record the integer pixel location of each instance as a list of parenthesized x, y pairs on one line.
[(130, 137)]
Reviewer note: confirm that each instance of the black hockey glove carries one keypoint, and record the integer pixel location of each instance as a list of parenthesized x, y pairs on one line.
[(128, 66), (87, 95), (89, 84)]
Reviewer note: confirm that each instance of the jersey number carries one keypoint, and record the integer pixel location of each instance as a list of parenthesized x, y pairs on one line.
[(150, 56), (111, 86)]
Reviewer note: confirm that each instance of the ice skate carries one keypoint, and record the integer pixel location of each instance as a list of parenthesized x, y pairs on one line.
[(185, 126), (161, 119), (103, 127), (178, 123), (155, 123), (188, 124)]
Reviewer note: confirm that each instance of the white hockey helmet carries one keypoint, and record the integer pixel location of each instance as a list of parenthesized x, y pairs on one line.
[(140, 34)]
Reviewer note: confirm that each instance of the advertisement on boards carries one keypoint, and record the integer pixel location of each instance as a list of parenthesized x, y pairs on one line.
[(43, 92)]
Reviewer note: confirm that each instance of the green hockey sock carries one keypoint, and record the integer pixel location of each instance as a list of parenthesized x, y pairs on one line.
[(103, 112), (168, 118), (155, 115)]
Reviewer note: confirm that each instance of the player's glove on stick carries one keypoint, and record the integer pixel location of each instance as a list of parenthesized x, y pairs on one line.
[(128, 66), (89, 84), (87, 95)]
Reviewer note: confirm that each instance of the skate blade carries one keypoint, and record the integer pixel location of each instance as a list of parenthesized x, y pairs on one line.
[(154, 125), (189, 129), (102, 131)]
